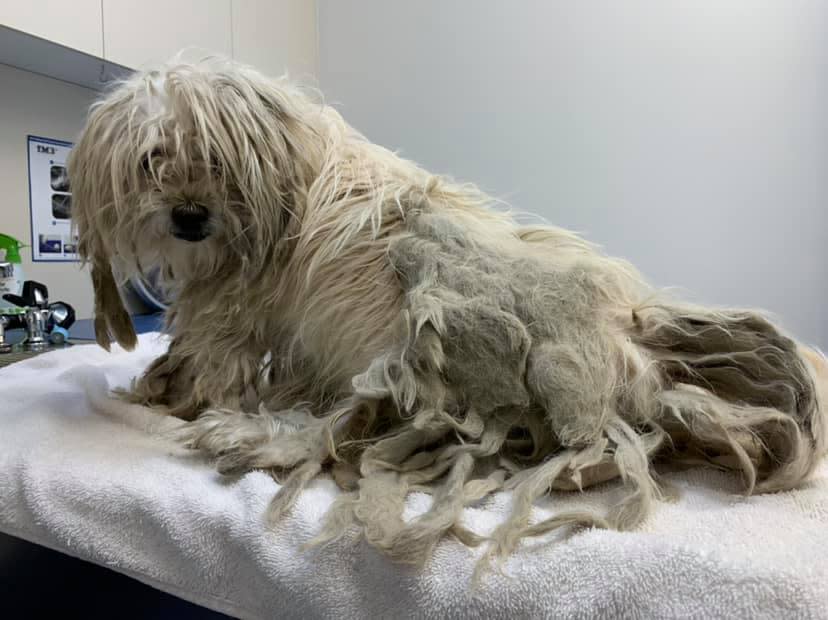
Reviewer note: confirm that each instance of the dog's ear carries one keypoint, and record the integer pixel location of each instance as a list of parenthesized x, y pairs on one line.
[(111, 318), (94, 217), (88, 220)]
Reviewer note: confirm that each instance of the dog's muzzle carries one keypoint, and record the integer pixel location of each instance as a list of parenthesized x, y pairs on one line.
[(190, 222)]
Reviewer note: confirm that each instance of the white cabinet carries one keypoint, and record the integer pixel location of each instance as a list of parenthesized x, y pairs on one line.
[(276, 36), (142, 33), (75, 24)]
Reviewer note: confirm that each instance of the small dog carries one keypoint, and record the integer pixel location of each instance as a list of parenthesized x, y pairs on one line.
[(337, 307)]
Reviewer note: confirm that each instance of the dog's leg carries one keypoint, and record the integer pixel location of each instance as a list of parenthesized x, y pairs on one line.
[(187, 380), (168, 384)]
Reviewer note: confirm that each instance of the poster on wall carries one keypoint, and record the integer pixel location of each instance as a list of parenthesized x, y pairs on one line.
[(50, 201)]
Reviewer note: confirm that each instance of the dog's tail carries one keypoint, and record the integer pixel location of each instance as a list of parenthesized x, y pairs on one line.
[(738, 392)]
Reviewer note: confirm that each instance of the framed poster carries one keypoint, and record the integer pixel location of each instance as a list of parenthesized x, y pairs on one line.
[(50, 201)]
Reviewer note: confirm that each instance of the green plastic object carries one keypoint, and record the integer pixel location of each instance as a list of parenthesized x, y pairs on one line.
[(12, 247)]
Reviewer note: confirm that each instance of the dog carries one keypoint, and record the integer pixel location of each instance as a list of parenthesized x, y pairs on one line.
[(338, 308)]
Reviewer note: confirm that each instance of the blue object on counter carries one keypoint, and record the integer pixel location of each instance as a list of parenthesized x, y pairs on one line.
[(58, 335)]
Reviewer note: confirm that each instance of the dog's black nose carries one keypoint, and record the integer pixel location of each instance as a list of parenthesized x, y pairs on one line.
[(190, 221)]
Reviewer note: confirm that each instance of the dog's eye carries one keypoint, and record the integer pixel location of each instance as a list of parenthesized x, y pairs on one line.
[(147, 160)]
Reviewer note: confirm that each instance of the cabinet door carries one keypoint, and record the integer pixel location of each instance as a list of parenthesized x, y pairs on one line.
[(75, 24), (276, 36), (142, 33)]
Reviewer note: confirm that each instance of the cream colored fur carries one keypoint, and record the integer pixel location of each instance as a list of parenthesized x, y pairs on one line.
[(353, 313)]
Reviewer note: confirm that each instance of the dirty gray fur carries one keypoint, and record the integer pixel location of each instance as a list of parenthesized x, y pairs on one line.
[(516, 374)]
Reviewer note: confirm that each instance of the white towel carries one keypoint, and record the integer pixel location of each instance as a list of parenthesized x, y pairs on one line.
[(80, 473)]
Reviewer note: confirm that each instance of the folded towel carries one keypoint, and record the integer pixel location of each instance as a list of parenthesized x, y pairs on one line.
[(96, 478)]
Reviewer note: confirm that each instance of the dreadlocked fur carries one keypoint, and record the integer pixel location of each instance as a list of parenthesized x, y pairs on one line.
[(351, 313)]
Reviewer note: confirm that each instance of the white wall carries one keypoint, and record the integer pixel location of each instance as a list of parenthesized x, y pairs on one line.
[(276, 36), (688, 137), (32, 104)]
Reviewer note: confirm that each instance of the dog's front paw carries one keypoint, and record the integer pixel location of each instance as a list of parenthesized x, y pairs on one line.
[(166, 386), (163, 402)]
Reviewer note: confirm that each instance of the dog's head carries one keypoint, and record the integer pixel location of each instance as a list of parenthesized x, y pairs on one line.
[(197, 169)]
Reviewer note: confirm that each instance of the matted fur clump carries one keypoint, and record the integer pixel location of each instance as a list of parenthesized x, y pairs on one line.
[(337, 308)]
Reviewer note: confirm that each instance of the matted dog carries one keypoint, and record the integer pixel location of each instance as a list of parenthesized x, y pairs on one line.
[(337, 308)]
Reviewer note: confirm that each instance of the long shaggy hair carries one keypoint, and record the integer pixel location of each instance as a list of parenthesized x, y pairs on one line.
[(337, 308)]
